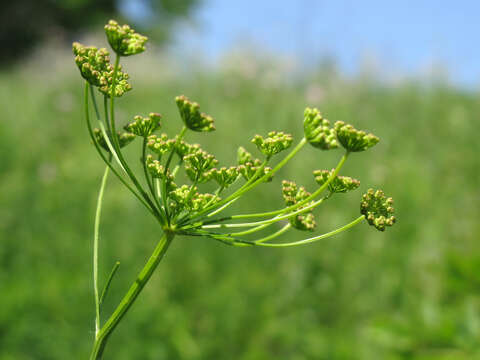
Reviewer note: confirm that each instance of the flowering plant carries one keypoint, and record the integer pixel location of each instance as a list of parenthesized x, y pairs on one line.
[(183, 209)]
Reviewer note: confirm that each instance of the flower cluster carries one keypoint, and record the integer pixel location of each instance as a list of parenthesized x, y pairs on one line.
[(225, 176), (339, 184), (192, 117), (188, 198), (273, 144), (354, 140), (160, 144), (249, 167), (124, 40), (95, 67), (124, 139), (317, 130), (198, 164), (144, 126), (292, 194), (378, 209)]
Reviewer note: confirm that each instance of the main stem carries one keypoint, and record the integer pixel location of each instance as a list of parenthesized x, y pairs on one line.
[(131, 295)]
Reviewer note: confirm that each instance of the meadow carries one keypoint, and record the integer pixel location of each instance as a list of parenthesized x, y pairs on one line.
[(412, 292)]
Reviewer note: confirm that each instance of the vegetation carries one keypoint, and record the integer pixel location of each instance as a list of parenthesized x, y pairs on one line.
[(361, 295)]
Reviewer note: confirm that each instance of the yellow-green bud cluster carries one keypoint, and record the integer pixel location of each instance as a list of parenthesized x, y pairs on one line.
[(317, 130), (124, 40), (340, 184), (274, 143), (183, 148), (248, 166), (94, 65), (198, 164), (192, 117), (144, 126), (187, 198), (160, 144), (354, 140), (292, 194), (124, 139), (156, 169), (225, 176), (378, 209)]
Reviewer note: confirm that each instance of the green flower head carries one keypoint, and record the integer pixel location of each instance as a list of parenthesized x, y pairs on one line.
[(317, 130), (144, 126), (377, 209), (354, 140), (124, 40), (292, 194), (160, 144), (192, 117), (274, 143), (340, 184), (225, 176), (95, 67), (198, 164), (124, 139)]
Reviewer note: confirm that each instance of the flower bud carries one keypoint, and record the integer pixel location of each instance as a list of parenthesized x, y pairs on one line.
[(354, 140), (192, 117), (377, 209), (123, 139), (198, 164), (124, 40), (144, 126), (273, 144), (292, 194), (340, 184), (225, 177), (317, 130), (160, 144)]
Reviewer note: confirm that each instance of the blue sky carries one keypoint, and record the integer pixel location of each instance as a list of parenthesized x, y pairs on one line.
[(404, 37)]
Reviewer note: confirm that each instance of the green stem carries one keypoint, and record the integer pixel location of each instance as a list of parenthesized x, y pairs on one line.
[(116, 143), (131, 295), (315, 238), (247, 187), (109, 281), (102, 155), (268, 221), (275, 234), (300, 203), (98, 213)]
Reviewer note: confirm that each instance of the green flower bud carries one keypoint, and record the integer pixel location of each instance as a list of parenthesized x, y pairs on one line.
[(340, 184), (192, 117), (156, 169), (198, 164), (225, 177), (354, 140), (183, 148), (243, 156), (91, 62), (377, 209), (248, 166), (273, 144), (95, 67), (317, 130), (200, 201), (187, 198), (292, 194), (123, 138), (160, 144), (124, 40), (144, 126), (249, 169)]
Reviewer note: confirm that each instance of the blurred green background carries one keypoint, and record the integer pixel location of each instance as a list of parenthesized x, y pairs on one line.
[(412, 292)]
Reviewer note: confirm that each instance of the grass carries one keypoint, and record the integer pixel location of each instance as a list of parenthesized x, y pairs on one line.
[(412, 292)]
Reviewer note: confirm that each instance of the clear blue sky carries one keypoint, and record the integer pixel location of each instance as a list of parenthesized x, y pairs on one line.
[(403, 36)]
